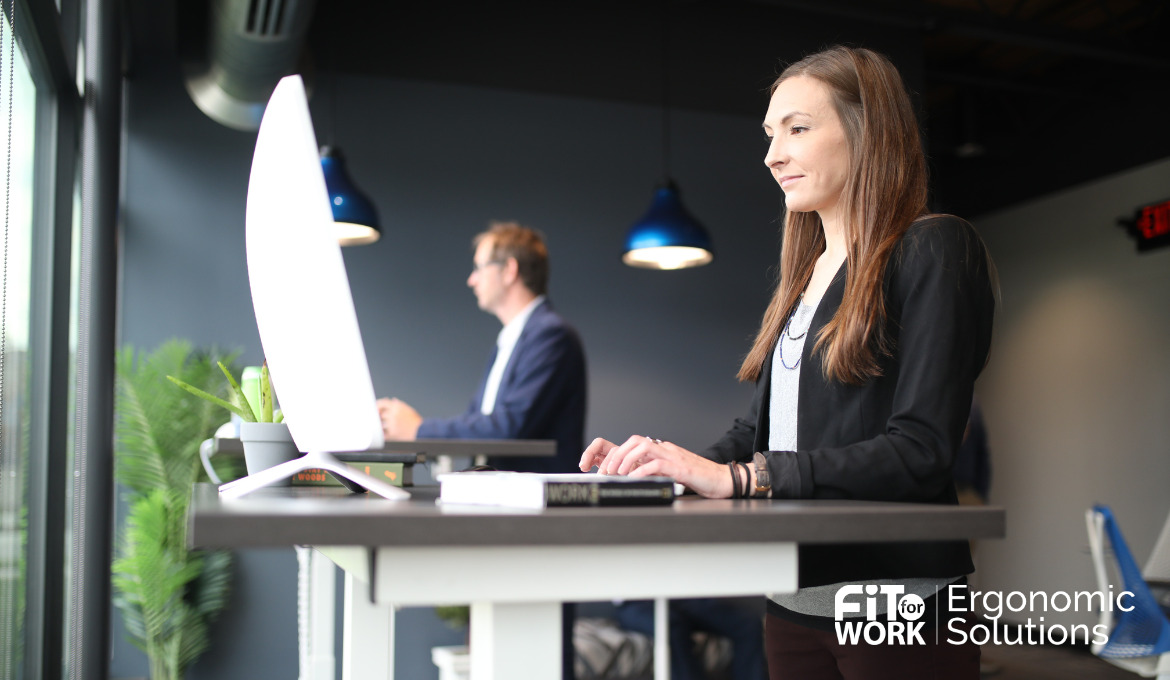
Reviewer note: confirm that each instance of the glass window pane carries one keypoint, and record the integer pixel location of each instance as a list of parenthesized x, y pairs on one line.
[(71, 438), (16, 209)]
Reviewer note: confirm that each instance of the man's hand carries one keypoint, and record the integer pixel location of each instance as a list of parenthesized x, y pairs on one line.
[(399, 420)]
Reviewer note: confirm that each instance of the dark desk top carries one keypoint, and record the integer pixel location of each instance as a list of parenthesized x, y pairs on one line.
[(322, 516)]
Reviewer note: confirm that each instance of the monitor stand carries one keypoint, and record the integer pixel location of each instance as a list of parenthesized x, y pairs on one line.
[(309, 461)]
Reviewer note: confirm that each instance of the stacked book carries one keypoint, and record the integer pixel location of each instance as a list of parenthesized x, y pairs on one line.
[(392, 468), (532, 490)]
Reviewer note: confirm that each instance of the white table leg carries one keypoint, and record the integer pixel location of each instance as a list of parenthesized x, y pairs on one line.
[(317, 578), (661, 639), (515, 640), (367, 647)]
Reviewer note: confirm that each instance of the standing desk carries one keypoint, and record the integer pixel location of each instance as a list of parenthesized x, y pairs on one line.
[(516, 566)]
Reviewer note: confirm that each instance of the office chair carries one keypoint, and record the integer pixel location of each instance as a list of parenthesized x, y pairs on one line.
[(1140, 640), (1157, 569)]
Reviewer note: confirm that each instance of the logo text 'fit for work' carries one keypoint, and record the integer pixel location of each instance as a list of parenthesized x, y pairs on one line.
[(901, 626)]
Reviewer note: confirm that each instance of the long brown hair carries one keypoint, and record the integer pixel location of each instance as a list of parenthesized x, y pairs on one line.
[(885, 192)]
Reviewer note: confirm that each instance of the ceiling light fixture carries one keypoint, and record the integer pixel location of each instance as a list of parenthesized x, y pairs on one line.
[(355, 218), (667, 236), (354, 215)]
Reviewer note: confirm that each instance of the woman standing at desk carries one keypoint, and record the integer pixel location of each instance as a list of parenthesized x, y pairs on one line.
[(864, 364)]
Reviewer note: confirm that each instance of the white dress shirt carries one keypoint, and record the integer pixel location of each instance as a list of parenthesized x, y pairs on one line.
[(505, 343)]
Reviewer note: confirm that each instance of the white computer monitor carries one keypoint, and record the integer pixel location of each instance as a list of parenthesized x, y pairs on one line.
[(301, 296)]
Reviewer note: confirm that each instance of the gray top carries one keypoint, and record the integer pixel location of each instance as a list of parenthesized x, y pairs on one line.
[(332, 516), (785, 398)]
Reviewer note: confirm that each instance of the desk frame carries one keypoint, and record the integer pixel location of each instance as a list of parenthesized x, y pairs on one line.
[(401, 553), (516, 603)]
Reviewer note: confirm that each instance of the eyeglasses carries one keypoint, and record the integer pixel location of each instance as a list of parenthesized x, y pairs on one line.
[(475, 266)]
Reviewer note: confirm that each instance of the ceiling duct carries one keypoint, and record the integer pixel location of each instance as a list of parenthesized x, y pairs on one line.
[(250, 46)]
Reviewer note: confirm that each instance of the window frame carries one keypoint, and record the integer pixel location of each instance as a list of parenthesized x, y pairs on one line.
[(48, 37)]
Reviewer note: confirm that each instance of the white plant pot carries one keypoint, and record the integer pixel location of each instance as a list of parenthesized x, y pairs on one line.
[(267, 445), (454, 662)]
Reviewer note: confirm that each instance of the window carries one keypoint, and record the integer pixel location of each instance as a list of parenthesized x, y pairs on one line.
[(18, 98)]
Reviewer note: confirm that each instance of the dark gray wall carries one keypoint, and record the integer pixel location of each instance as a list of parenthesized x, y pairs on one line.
[(440, 161)]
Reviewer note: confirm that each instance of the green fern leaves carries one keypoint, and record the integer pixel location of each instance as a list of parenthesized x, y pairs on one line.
[(168, 595)]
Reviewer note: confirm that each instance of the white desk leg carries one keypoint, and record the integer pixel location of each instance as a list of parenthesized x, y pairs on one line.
[(661, 639), (515, 640), (367, 645), (317, 578)]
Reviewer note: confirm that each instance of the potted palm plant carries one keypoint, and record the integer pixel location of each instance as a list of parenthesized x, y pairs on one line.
[(168, 595)]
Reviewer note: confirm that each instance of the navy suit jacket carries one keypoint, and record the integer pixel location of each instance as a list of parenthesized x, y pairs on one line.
[(542, 395)]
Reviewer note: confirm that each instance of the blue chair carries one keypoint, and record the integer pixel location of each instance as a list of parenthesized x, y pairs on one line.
[(1140, 640)]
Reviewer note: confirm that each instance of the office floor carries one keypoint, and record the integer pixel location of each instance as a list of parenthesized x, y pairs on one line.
[(1028, 662)]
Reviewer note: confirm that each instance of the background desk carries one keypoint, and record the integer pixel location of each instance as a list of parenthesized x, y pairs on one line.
[(432, 448), (516, 566)]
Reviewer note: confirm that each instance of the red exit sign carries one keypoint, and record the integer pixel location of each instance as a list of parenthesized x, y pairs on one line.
[(1150, 226)]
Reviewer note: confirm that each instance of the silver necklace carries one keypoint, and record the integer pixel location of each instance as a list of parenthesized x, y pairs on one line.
[(788, 332)]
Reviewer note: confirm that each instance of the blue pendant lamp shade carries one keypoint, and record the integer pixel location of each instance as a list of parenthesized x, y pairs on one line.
[(667, 236), (354, 215)]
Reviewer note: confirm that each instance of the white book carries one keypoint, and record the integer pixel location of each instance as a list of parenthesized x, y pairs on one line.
[(534, 490)]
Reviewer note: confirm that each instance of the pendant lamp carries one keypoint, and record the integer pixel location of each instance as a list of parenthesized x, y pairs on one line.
[(355, 220), (667, 236), (354, 216)]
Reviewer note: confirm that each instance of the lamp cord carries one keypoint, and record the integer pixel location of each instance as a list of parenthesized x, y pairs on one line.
[(666, 89), (332, 107)]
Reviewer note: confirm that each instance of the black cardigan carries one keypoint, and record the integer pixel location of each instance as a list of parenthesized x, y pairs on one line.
[(893, 438)]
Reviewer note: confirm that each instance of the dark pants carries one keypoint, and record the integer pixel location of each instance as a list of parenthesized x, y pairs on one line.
[(568, 652), (797, 652), (741, 624)]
